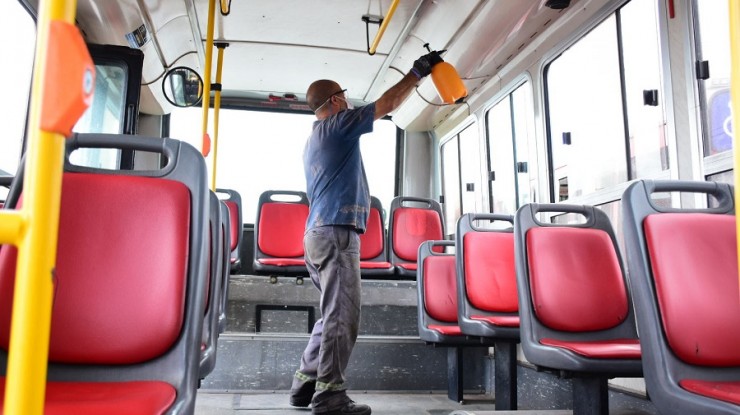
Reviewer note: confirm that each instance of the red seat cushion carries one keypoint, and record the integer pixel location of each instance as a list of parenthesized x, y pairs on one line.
[(120, 277), (411, 266), (600, 349), (282, 262), (451, 330), (110, 398), (575, 278), (371, 242), (281, 227), (375, 265), (503, 321), (490, 277), (724, 391), (694, 263), (440, 288), (411, 227), (234, 224)]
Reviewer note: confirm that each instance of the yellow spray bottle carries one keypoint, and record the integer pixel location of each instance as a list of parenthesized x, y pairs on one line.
[(447, 82)]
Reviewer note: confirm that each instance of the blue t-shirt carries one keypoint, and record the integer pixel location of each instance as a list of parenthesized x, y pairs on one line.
[(336, 184)]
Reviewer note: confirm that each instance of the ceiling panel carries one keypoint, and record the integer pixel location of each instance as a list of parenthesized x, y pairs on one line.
[(291, 69), (332, 24)]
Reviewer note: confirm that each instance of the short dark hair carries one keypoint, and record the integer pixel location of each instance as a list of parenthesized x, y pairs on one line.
[(319, 92)]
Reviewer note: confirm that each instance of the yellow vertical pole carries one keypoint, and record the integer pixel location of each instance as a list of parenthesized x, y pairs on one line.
[(216, 110), (735, 94), (31, 319), (205, 149)]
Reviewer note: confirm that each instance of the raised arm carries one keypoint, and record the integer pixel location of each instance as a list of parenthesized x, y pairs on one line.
[(393, 97)]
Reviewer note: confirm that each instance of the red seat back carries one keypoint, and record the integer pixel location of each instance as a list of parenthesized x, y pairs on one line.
[(411, 227), (693, 258), (490, 280), (234, 219), (119, 284), (281, 228), (440, 287), (588, 293), (371, 242)]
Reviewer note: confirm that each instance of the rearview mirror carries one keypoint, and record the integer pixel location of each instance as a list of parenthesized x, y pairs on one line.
[(182, 87)]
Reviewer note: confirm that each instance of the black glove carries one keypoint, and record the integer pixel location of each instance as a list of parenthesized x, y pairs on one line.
[(423, 66)]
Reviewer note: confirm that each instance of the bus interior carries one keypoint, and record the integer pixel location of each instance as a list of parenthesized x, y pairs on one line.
[(557, 238)]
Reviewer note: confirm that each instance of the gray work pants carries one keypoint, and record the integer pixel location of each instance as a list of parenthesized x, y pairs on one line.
[(333, 259)]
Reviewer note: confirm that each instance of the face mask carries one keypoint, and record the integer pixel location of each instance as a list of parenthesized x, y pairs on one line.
[(350, 106)]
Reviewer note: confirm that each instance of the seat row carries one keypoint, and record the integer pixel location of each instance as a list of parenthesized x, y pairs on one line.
[(139, 282), (561, 289), (281, 222)]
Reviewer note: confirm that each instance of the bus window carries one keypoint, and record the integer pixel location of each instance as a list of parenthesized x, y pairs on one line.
[(501, 156), (470, 178), (510, 143), (589, 129), (641, 55), (585, 113), (16, 71), (259, 151), (450, 159), (712, 34), (105, 115), (525, 148), (379, 156)]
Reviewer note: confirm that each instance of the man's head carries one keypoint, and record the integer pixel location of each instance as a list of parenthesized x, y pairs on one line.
[(323, 95)]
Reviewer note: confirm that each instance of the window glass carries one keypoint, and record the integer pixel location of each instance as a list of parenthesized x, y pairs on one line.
[(642, 76), (452, 205), (105, 115), (18, 49), (614, 211), (501, 156), (379, 157), (722, 177), (469, 172), (259, 151), (585, 113), (714, 46), (524, 143)]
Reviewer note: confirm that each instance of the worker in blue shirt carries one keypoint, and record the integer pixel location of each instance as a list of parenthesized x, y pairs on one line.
[(339, 203)]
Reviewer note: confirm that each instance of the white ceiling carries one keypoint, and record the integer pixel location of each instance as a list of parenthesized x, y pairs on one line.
[(280, 46)]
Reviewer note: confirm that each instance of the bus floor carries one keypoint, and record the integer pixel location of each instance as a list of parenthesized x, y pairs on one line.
[(382, 403)]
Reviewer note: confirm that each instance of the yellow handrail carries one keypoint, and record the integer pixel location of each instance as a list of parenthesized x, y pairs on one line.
[(216, 111), (57, 101), (735, 94), (383, 25), (206, 102)]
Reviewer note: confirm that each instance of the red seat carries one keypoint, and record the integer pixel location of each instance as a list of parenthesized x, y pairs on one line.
[(233, 201), (486, 294), (278, 233), (127, 317), (410, 225), (227, 267), (373, 252), (214, 288), (575, 309), (90, 398), (437, 309), (683, 264)]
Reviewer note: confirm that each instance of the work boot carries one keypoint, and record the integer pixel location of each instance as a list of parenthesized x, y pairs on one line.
[(350, 408), (302, 396)]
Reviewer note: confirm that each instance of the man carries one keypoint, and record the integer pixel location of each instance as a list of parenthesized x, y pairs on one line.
[(339, 205)]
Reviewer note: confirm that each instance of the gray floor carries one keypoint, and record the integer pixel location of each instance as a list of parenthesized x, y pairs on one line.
[(211, 403)]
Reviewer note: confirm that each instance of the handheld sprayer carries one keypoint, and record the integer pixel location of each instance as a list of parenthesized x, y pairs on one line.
[(447, 82)]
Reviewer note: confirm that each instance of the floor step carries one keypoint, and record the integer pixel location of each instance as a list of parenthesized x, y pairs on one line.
[(254, 362)]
